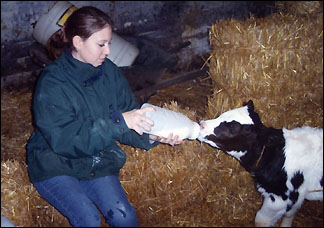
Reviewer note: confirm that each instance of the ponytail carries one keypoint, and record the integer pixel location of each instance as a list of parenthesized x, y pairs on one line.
[(55, 44)]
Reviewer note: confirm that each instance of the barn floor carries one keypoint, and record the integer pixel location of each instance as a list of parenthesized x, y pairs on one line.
[(16, 129)]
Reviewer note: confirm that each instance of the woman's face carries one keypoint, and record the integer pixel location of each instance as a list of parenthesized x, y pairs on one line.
[(94, 49)]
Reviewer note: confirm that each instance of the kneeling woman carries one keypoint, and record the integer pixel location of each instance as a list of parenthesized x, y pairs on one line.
[(82, 105)]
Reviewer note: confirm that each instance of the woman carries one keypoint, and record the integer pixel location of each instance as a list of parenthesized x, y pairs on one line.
[(82, 105)]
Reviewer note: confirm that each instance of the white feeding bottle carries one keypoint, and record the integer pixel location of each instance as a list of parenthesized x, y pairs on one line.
[(167, 121)]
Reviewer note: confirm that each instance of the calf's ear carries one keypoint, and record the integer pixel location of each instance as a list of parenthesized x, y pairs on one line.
[(249, 104)]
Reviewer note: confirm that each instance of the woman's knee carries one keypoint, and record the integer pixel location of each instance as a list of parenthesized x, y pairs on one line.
[(122, 217), (87, 217), (66, 195)]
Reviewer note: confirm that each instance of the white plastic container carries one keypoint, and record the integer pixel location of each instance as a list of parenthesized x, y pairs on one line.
[(47, 25), (122, 53), (167, 121)]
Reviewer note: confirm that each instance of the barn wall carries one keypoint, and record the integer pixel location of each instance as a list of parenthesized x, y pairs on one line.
[(168, 24)]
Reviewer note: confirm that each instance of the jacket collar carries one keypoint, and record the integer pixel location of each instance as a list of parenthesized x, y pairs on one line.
[(80, 71)]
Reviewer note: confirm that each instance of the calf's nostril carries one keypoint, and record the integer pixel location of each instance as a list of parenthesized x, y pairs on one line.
[(202, 125)]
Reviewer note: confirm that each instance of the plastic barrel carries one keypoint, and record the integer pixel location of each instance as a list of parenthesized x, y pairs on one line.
[(47, 25)]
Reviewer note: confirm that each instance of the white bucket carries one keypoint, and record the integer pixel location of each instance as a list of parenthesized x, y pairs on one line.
[(122, 53), (47, 25)]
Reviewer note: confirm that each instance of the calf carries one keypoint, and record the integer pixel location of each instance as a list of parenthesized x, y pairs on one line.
[(286, 165)]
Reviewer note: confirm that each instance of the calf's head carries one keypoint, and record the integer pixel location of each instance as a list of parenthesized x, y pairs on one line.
[(233, 130)]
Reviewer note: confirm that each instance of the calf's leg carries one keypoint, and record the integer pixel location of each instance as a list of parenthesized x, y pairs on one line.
[(287, 221), (270, 212)]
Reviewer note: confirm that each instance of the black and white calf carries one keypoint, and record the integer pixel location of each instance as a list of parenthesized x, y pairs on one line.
[(286, 165)]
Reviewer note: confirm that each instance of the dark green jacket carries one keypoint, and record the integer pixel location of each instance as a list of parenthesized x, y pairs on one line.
[(77, 116)]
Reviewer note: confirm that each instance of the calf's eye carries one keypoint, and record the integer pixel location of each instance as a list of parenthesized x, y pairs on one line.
[(247, 129)]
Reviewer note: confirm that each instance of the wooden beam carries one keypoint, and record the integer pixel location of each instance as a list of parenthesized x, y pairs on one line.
[(168, 82)]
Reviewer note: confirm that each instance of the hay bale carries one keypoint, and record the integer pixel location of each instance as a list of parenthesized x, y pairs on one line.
[(277, 61), (192, 93), (301, 8), (16, 125), (21, 203)]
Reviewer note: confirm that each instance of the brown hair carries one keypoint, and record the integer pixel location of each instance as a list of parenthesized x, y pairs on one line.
[(83, 22)]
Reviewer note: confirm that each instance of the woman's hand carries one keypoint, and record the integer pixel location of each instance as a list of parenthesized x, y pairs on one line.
[(135, 119), (170, 140)]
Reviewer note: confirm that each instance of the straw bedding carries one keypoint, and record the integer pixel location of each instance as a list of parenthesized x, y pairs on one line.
[(277, 61)]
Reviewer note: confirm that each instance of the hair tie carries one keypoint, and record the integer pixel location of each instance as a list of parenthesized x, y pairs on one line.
[(65, 16)]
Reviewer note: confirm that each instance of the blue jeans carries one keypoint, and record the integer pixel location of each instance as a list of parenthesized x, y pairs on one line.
[(77, 200)]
